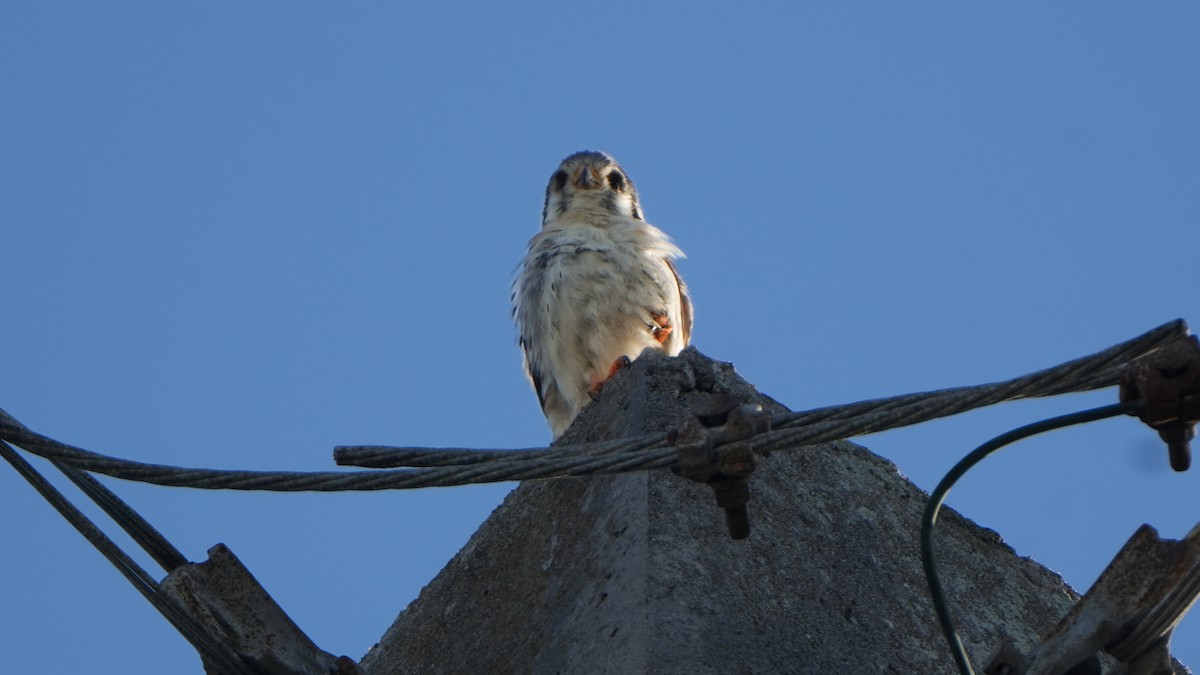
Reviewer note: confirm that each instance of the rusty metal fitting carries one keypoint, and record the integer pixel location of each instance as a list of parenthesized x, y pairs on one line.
[(733, 493), (714, 449), (1129, 613), (1168, 384), (695, 451)]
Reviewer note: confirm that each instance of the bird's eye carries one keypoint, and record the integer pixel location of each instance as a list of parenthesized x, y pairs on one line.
[(617, 180), (559, 179)]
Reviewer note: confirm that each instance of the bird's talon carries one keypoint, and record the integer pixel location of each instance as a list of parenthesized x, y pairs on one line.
[(595, 387), (661, 328)]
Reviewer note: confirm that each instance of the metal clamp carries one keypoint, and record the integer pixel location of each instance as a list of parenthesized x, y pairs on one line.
[(1168, 383), (714, 449), (1128, 613), (223, 596)]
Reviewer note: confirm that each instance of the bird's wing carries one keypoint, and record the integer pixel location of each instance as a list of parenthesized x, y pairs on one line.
[(555, 407), (685, 305), (534, 375)]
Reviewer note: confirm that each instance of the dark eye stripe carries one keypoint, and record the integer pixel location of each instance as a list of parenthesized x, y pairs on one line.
[(559, 180), (617, 180)]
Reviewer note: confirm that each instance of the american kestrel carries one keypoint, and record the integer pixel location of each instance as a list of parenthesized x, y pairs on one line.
[(596, 287)]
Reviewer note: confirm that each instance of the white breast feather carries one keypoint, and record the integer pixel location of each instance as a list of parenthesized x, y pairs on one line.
[(585, 297)]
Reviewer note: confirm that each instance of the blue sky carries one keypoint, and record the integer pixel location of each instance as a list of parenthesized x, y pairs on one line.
[(237, 235)]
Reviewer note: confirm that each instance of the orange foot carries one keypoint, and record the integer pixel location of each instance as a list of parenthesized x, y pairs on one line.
[(661, 328), (596, 385)]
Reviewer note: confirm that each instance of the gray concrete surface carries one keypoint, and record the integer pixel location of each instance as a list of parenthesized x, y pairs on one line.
[(636, 573)]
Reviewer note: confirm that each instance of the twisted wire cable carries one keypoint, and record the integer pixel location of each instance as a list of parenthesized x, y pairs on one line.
[(215, 651), (137, 527), (436, 467), (823, 424)]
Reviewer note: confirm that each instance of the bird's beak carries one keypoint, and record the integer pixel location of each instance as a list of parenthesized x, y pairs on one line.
[(586, 179)]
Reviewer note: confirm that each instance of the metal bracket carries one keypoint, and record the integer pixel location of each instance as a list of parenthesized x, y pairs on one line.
[(1168, 383), (222, 595), (714, 449), (1128, 613)]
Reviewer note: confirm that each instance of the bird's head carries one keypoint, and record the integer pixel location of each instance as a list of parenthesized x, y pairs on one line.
[(590, 183)]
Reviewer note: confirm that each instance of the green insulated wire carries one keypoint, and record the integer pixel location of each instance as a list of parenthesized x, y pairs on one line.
[(965, 464)]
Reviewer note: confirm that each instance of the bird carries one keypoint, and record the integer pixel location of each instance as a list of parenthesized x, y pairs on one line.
[(596, 287)]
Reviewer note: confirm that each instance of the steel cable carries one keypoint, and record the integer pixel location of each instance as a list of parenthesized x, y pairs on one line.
[(212, 648), (137, 527), (437, 467), (822, 424)]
